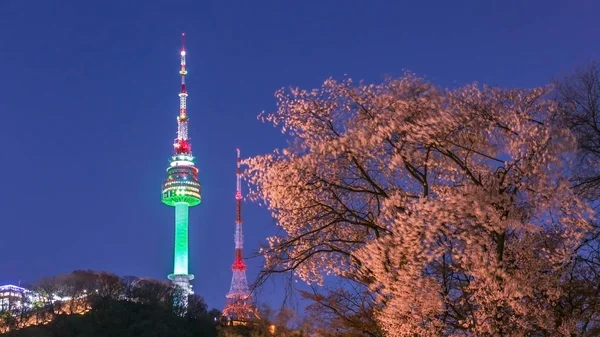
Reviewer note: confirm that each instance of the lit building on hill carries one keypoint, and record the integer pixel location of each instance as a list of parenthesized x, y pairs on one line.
[(13, 297)]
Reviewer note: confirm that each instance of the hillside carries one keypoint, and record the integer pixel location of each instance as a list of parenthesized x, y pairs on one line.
[(110, 318)]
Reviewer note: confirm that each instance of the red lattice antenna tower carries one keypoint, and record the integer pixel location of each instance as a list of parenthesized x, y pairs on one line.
[(239, 305)]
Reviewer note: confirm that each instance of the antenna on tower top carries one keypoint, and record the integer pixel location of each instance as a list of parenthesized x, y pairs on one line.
[(238, 190), (182, 144)]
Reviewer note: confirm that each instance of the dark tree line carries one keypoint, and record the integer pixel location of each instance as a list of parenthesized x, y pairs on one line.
[(104, 304)]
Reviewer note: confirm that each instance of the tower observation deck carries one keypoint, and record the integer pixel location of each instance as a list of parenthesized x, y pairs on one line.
[(181, 188)]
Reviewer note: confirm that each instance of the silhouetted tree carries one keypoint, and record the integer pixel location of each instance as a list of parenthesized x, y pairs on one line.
[(579, 99), (110, 286), (154, 292), (347, 309)]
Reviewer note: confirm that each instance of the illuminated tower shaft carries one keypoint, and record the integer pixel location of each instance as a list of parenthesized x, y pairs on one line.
[(181, 189), (238, 306), (181, 239)]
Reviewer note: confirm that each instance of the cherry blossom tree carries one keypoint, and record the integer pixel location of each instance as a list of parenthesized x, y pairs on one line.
[(454, 207)]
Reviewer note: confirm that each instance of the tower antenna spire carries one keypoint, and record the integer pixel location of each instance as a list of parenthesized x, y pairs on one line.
[(238, 194), (182, 144)]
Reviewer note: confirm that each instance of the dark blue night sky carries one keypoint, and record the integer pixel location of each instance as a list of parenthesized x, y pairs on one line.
[(88, 101)]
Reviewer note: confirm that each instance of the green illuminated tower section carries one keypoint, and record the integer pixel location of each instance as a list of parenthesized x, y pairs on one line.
[(181, 189)]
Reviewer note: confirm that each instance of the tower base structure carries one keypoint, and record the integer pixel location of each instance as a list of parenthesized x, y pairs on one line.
[(239, 310), (183, 282), (238, 305)]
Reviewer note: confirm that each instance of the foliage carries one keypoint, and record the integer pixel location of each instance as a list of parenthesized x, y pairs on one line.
[(454, 207), (345, 309), (578, 96), (119, 307), (120, 318), (282, 323)]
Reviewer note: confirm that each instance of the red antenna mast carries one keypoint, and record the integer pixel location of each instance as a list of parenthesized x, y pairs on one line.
[(239, 306)]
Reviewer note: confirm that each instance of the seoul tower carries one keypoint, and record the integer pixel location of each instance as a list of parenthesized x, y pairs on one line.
[(238, 305), (181, 189)]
